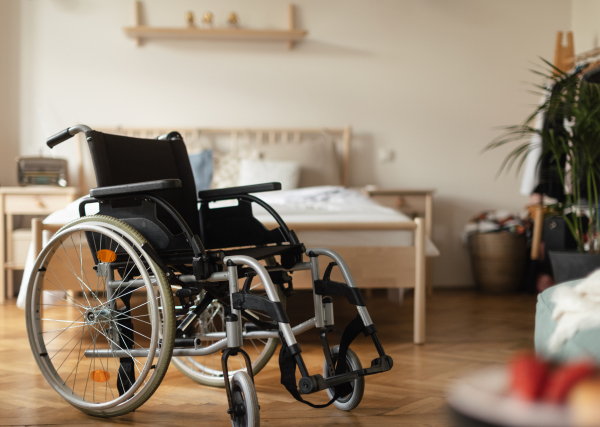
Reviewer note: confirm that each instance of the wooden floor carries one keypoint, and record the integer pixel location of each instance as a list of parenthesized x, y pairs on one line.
[(465, 330)]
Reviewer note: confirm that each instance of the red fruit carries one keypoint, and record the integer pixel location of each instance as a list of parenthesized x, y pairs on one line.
[(564, 378), (528, 376)]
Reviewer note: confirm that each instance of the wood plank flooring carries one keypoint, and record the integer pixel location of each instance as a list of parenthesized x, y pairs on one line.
[(466, 330)]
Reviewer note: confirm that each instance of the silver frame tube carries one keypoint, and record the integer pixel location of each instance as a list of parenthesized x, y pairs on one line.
[(203, 351), (285, 328), (74, 130), (234, 328), (317, 299), (143, 352), (362, 311), (298, 329)]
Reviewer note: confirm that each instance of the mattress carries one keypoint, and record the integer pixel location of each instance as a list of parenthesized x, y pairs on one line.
[(314, 205), (335, 205)]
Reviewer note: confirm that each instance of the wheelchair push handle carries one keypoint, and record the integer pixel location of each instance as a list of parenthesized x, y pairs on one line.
[(68, 133)]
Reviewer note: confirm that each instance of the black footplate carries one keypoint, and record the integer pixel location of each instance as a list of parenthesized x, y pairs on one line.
[(314, 383), (290, 359)]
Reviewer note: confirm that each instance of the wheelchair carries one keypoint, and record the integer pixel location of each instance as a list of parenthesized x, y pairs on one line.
[(163, 274)]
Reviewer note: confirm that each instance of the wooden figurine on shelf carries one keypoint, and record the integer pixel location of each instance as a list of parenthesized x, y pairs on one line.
[(232, 20), (189, 19), (208, 18)]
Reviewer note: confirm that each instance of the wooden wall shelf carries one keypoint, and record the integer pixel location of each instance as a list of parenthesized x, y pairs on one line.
[(214, 33), (141, 32)]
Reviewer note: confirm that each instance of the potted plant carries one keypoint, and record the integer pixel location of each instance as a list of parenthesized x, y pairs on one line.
[(570, 156)]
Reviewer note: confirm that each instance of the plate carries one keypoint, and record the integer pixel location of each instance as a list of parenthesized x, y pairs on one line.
[(483, 396)]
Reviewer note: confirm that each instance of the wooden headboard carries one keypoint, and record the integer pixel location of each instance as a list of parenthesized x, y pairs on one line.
[(341, 137)]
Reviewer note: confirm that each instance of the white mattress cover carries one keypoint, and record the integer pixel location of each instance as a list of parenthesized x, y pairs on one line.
[(333, 204)]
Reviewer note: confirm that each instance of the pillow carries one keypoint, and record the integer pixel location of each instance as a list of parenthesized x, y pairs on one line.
[(202, 167), (260, 171), (226, 170), (318, 161)]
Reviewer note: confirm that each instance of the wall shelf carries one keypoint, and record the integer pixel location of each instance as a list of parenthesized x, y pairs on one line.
[(144, 32), (141, 32)]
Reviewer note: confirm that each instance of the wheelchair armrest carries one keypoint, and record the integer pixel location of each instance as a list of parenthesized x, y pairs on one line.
[(222, 193), (137, 187)]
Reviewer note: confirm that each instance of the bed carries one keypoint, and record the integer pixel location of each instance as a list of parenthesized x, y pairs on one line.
[(383, 247)]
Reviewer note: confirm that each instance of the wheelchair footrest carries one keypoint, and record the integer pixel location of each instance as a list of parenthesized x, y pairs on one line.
[(314, 383)]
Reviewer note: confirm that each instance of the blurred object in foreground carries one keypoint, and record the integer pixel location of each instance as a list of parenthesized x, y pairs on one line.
[(530, 391)]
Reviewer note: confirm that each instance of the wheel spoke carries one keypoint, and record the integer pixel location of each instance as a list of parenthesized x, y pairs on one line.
[(70, 327), (64, 329), (72, 269)]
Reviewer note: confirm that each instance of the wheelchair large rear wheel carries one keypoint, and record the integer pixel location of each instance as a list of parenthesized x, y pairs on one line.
[(91, 333), (207, 370)]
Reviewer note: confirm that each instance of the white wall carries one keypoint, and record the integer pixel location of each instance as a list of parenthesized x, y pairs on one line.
[(430, 79), (586, 24), (9, 91)]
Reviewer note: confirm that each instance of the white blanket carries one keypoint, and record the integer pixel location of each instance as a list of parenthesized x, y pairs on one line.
[(576, 309)]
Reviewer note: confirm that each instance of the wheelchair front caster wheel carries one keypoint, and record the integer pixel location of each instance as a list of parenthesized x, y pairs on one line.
[(245, 401), (351, 401)]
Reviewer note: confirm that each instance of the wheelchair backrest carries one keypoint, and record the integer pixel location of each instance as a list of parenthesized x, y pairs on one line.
[(125, 160)]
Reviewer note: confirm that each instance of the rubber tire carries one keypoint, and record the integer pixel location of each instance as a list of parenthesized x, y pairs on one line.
[(158, 373), (219, 381), (241, 382), (351, 401)]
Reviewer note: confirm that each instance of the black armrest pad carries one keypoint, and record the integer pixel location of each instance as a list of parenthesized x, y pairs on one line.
[(235, 191), (138, 187)]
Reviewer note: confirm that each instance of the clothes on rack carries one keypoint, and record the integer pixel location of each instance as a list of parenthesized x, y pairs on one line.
[(540, 175), (531, 176)]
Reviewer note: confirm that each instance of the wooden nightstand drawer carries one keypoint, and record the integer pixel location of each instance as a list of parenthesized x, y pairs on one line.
[(34, 203)]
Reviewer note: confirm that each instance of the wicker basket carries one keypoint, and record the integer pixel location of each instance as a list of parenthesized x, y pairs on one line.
[(498, 261)]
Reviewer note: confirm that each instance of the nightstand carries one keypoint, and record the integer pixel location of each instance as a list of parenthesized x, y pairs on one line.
[(34, 200)]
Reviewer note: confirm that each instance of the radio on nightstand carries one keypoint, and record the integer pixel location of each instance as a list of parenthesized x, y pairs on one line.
[(42, 171)]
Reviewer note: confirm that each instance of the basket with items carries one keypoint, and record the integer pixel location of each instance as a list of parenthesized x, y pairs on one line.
[(498, 243)]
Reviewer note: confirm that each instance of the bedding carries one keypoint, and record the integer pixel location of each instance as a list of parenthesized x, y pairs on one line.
[(335, 204), (323, 204), (318, 160), (202, 168), (257, 171)]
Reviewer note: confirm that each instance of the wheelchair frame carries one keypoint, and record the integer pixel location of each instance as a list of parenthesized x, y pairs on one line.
[(205, 274)]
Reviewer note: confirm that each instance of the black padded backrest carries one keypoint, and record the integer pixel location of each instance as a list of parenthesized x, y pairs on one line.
[(125, 160)]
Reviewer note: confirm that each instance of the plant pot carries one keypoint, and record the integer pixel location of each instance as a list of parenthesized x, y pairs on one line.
[(498, 261), (572, 265)]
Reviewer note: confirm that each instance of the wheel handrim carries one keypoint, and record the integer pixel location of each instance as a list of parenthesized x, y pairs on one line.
[(94, 313)]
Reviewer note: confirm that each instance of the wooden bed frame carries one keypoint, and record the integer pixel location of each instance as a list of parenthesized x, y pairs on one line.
[(372, 267)]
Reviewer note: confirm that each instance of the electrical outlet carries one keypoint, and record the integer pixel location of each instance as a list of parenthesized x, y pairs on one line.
[(385, 154)]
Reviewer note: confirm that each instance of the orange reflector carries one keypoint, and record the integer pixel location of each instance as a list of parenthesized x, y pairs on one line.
[(100, 376), (106, 255)]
